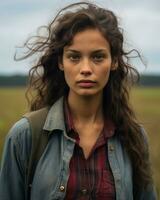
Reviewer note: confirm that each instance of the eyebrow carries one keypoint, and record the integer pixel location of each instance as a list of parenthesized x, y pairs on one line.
[(94, 51)]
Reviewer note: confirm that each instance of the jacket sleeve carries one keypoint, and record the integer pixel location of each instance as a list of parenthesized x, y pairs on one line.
[(14, 161)]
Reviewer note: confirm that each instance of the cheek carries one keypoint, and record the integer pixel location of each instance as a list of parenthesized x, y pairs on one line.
[(68, 75), (105, 72), (105, 76)]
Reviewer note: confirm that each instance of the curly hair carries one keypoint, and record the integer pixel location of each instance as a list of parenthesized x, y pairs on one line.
[(47, 81)]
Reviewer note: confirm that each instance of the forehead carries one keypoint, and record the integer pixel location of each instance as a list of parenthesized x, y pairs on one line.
[(89, 39)]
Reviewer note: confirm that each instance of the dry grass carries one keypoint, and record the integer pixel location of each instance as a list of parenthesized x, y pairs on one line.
[(146, 102), (12, 106)]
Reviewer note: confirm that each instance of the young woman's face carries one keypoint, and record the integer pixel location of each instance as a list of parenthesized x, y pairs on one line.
[(87, 63)]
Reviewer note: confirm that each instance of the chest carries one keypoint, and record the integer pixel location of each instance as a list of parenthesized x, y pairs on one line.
[(91, 178), (88, 137), (52, 172)]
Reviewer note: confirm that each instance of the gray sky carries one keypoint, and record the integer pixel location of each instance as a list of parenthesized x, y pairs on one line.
[(19, 19)]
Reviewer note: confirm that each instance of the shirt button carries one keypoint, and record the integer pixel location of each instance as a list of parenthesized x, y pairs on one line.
[(62, 188), (111, 147), (84, 191)]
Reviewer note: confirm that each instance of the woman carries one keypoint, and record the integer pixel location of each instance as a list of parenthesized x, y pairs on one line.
[(99, 151)]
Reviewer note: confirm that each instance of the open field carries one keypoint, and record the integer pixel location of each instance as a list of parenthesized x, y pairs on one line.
[(12, 106), (146, 102)]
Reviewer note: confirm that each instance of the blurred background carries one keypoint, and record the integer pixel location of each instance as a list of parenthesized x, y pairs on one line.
[(140, 21)]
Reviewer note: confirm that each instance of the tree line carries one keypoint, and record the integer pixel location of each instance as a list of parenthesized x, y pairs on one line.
[(21, 80)]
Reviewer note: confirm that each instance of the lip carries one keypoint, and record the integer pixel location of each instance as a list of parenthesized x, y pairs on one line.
[(86, 83)]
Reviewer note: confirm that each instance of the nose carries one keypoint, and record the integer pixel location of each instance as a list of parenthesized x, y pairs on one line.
[(86, 67)]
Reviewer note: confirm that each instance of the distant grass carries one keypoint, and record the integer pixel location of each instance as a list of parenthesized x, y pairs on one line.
[(12, 106), (146, 102)]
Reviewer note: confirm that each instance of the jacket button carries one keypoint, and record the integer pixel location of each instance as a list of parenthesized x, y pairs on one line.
[(84, 191), (62, 188), (111, 147)]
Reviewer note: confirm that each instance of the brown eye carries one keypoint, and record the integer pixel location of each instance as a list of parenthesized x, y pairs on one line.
[(98, 57), (74, 57)]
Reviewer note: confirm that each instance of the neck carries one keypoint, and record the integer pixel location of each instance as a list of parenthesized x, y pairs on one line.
[(86, 109)]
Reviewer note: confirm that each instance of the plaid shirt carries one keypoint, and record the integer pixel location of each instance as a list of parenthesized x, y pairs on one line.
[(89, 178)]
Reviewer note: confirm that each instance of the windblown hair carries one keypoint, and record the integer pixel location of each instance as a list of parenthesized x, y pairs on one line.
[(48, 83)]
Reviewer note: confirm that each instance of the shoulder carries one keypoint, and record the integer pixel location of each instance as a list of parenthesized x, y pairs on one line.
[(18, 141), (20, 127), (20, 133), (36, 113), (37, 118)]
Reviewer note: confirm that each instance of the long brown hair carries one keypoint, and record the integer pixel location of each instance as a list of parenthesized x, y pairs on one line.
[(48, 83)]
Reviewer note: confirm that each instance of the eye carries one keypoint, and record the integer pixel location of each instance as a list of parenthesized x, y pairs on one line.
[(98, 57), (74, 57)]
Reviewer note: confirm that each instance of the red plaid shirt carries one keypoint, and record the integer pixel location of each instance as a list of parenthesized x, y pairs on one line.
[(90, 178)]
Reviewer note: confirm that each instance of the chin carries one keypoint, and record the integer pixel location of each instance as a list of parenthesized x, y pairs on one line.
[(86, 92), (89, 93)]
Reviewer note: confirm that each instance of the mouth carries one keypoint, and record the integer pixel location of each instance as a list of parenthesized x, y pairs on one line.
[(86, 83)]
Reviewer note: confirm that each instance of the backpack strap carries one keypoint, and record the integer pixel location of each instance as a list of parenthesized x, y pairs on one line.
[(39, 142)]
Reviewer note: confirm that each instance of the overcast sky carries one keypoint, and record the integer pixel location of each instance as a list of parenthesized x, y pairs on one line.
[(19, 19)]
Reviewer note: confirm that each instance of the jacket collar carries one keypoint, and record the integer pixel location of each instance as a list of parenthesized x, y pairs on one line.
[(55, 117)]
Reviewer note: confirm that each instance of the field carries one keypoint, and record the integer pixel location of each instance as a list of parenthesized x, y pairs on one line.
[(146, 102)]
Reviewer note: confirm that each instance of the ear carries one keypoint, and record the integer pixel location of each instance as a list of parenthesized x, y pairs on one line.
[(60, 64), (114, 65)]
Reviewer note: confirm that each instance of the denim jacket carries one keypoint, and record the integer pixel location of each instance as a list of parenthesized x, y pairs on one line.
[(52, 171)]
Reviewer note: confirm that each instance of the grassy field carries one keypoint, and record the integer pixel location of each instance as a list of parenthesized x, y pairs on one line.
[(146, 102), (12, 106)]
